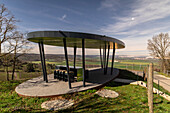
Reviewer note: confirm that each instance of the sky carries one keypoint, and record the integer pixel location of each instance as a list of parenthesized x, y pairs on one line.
[(131, 21)]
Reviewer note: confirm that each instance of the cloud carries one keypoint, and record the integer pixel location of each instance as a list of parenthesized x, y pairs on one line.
[(143, 11), (110, 4), (142, 20), (60, 50), (63, 17)]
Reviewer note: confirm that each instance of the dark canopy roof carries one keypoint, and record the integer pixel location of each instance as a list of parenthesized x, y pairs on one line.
[(55, 38)]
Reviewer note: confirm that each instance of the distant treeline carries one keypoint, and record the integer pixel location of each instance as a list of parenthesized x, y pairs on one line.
[(51, 57), (61, 57)]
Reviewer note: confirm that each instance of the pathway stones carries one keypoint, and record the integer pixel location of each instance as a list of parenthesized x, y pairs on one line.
[(57, 104), (107, 93)]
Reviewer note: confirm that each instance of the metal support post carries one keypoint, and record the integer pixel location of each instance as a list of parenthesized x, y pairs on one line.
[(83, 62), (67, 64), (101, 58), (43, 56), (107, 59), (42, 64), (104, 58), (75, 48), (43, 61), (113, 55)]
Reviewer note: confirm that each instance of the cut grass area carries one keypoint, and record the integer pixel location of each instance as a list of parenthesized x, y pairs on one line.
[(11, 102), (131, 98), (138, 63)]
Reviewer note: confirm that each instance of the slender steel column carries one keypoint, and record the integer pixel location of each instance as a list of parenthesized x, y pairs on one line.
[(75, 48), (107, 58), (83, 62), (67, 64), (42, 64), (113, 55), (43, 57), (101, 58)]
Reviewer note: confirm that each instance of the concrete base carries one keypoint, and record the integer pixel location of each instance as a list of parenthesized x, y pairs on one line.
[(36, 87)]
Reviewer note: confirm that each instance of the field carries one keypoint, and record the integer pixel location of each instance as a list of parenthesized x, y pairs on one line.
[(95, 62), (20, 74), (87, 101)]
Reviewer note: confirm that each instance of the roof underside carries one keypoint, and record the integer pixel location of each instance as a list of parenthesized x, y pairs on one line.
[(55, 38)]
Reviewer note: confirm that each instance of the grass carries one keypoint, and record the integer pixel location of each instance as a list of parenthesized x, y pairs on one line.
[(124, 74), (161, 73), (3, 76), (131, 98), (138, 63), (160, 88), (128, 101), (124, 64), (11, 102)]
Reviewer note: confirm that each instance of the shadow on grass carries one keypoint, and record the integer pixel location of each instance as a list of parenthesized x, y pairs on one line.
[(29, 111), (9, 85), (96, 103), (125, 74), (115, 84)]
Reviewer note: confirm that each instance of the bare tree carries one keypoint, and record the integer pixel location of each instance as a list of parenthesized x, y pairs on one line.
[(7, 24), (6, 62), (168, 62), (19, 44), (159, 46)]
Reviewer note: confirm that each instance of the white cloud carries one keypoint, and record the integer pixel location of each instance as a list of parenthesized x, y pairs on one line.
[(63, 17), (137, 32), (143, 11), (60, 50), (110, 4)]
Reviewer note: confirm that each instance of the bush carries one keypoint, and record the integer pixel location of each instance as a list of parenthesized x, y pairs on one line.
[(30, 68)]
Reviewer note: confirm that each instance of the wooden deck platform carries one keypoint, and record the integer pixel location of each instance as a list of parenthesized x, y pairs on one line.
[(36, 87)]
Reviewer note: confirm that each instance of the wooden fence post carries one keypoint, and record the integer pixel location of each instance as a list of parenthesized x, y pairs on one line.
[(150, 88)]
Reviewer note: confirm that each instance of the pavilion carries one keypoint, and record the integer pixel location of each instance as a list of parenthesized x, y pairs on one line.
[(76, 40)]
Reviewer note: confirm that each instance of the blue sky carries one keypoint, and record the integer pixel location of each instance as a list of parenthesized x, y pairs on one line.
[(132, 21)]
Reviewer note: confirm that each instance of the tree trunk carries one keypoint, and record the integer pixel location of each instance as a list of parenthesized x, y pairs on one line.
[(0, 47), (7, 74), (14, 63), (163, 66), (13, 70)]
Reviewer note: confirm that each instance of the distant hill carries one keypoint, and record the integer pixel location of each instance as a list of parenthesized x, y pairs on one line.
[(51, 57), (61, 57)]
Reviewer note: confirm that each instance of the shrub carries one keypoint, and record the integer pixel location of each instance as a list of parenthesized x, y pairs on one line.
[(30, 68)]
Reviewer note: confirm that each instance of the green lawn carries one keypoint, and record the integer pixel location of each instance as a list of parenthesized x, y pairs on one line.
[(10, 101), (132, 98), (3, 76)]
